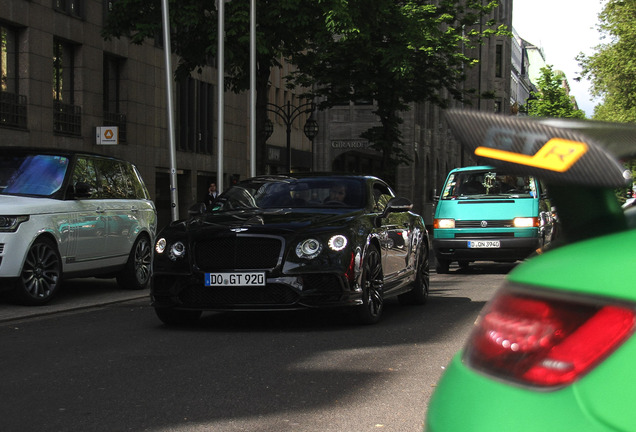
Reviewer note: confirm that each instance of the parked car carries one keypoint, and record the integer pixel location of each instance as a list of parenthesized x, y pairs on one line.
[(554, 349), (293, 242), (66, 214), (484, 214)]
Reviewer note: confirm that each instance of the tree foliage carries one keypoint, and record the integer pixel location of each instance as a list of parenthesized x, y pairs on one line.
[(612, 69), (552, 99), (393, 53)]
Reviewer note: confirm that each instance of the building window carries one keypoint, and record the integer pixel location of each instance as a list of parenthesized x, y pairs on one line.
[(66, 116), (70, 7), (195, 116), (113, 115), (499, 61), (12, 104)]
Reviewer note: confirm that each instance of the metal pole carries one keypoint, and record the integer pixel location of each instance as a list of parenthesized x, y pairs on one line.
[(174, 199), (252, 88), (221, 100), (288, 121)]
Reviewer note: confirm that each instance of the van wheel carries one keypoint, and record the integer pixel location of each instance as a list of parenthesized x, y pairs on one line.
[(41, 274), (442, 266), (136, 274)]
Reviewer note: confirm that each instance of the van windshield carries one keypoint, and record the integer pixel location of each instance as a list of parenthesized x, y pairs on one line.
[(39, 175), (488, 184)]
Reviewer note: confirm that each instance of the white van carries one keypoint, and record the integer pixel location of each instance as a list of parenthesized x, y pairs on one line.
[(67, 214)]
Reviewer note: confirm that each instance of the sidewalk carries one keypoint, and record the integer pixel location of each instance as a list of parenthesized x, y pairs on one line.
[(74, 294)]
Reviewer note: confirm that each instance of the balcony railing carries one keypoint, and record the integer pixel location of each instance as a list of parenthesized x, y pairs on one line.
[(13, 110), (116, 119), (67, 119)]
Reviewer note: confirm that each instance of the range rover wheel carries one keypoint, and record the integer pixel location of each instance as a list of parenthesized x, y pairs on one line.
[(136, 275), (419, 293), (177, 317), (370, 311), (41, 274)]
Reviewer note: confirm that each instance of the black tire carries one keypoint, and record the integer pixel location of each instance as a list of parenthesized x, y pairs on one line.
[(175, 317), (370, 311), (419, 293), (136, 274), (41, 275), (442, 266)]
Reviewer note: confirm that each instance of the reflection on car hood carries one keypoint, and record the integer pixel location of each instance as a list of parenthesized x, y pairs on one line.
[(255, 220), (19, 205)]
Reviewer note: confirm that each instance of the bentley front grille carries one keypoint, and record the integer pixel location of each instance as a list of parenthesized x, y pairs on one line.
[(240, 252)]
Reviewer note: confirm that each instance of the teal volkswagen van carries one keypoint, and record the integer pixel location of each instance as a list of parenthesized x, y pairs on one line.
[(485, 214)]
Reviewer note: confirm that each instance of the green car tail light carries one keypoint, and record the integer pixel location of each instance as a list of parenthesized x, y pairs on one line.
[(544, 341)]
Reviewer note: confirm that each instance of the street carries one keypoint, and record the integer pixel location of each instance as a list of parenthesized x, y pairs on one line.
[(109, 364)]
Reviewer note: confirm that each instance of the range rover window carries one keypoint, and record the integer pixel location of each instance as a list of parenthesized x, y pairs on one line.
[(36, 175)]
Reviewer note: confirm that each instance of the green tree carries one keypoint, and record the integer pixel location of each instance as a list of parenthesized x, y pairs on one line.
[(552, 99), (390, 52), (393, 53), (612, 69), (283, 27)]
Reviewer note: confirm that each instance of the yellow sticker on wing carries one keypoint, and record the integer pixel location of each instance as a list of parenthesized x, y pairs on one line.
[(556, 155)]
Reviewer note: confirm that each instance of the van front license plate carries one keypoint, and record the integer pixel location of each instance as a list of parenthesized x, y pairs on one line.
[(483, 244), (235, 279)]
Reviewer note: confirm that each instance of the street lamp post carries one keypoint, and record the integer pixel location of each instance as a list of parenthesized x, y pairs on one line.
[(288, 113)]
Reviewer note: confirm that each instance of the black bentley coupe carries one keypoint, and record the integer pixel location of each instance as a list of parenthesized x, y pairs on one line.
[(292, 242)]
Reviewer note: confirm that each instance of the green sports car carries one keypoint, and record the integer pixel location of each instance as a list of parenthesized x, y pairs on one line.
[(554, 349)]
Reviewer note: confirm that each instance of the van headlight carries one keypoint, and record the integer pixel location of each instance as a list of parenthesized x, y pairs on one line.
[(11, 223), (525, 222), (444, 223)]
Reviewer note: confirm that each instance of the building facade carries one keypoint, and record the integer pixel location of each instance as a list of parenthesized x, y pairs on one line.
[(62, 85)]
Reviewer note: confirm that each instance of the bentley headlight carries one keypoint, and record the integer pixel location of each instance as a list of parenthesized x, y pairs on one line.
[(337, 242), (160, 246), (177, 250), (308, 249)]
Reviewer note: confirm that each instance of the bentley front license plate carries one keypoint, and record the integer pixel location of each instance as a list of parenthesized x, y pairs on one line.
[(476, 244), (235, 279)]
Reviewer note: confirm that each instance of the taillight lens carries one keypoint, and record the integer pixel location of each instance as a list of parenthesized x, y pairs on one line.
[(542, 341)]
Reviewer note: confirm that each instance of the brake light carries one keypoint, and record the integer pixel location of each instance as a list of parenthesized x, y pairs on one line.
[(545, 342)]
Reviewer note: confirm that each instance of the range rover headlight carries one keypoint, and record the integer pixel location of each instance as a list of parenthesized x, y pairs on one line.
[(308, 249), (160, 246), (337, 242), (11, 223), (177, 250)]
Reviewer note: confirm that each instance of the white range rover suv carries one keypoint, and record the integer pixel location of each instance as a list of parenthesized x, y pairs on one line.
[(67, 214)]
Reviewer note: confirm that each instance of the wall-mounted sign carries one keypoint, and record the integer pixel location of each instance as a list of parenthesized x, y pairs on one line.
[(349, 144), (107, 135)]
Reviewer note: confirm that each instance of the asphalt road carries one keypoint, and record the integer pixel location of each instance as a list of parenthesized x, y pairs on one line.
[(98, 359)]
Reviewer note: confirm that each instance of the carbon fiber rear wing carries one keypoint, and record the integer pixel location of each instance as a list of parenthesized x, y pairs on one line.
[(555, 150), (578, 160)]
